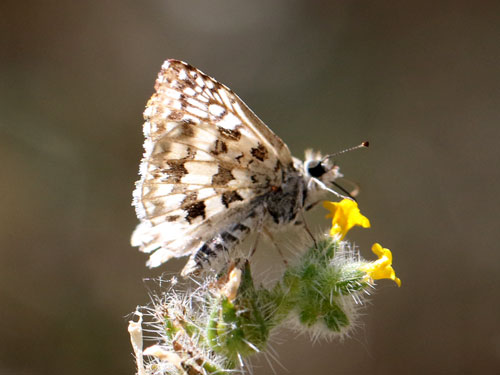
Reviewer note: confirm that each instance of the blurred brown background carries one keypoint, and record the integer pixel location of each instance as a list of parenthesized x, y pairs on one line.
[(420, 80)]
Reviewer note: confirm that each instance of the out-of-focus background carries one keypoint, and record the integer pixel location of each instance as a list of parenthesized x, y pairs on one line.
[(419, 80)]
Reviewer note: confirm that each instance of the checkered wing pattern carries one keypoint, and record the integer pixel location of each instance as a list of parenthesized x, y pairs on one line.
[(207, 157)]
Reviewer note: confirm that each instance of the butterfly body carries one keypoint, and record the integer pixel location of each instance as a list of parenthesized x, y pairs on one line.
[(213, 172)]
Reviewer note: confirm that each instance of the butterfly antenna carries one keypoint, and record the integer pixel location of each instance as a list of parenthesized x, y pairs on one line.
[(361, 145)]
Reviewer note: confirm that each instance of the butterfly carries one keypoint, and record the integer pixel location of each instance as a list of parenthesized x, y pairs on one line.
[(212, 173)]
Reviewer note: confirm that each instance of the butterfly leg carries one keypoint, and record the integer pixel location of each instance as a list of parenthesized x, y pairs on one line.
[(306, 227), (255, 244), (270, 236)]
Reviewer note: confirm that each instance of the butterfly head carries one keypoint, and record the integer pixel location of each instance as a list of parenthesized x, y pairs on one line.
[(320, 174), (318, 167)]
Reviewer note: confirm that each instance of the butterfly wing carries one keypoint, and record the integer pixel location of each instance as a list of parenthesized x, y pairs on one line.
[(207, 157)]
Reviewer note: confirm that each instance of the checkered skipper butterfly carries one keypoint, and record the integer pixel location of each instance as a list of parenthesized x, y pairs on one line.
[(213, 172)]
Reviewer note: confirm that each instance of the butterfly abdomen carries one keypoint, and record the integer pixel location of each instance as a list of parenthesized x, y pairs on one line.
[(220, 246)]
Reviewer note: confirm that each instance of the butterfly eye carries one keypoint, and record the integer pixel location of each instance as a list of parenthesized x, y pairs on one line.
[(316, 169)]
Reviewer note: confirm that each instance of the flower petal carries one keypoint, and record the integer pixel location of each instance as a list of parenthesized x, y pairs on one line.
[(345, 215), (382, 267)]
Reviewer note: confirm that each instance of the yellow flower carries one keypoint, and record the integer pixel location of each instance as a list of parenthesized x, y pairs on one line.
[(345, 215), (382, 267)]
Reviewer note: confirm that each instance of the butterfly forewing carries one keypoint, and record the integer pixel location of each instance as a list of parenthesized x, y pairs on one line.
[(207, 157)]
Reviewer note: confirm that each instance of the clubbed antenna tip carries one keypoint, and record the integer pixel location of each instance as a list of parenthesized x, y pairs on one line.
[(361, 145)]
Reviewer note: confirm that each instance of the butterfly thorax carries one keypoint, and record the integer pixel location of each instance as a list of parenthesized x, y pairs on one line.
[(284, 202)]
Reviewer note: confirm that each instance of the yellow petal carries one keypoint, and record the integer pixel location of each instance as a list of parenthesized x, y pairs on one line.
[(345, 215), (382, 267)]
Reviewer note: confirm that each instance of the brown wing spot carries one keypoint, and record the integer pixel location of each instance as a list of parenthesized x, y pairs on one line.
[(189, 122), (189, 199), (172, 218), (229, 197), (187, 130), (233, 135), (220, 147), (222, 177), (182, 131), (259, 152), (176, 171), (188, 83), (193, 207), (194, 210), (190, 154), (175, 115)]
